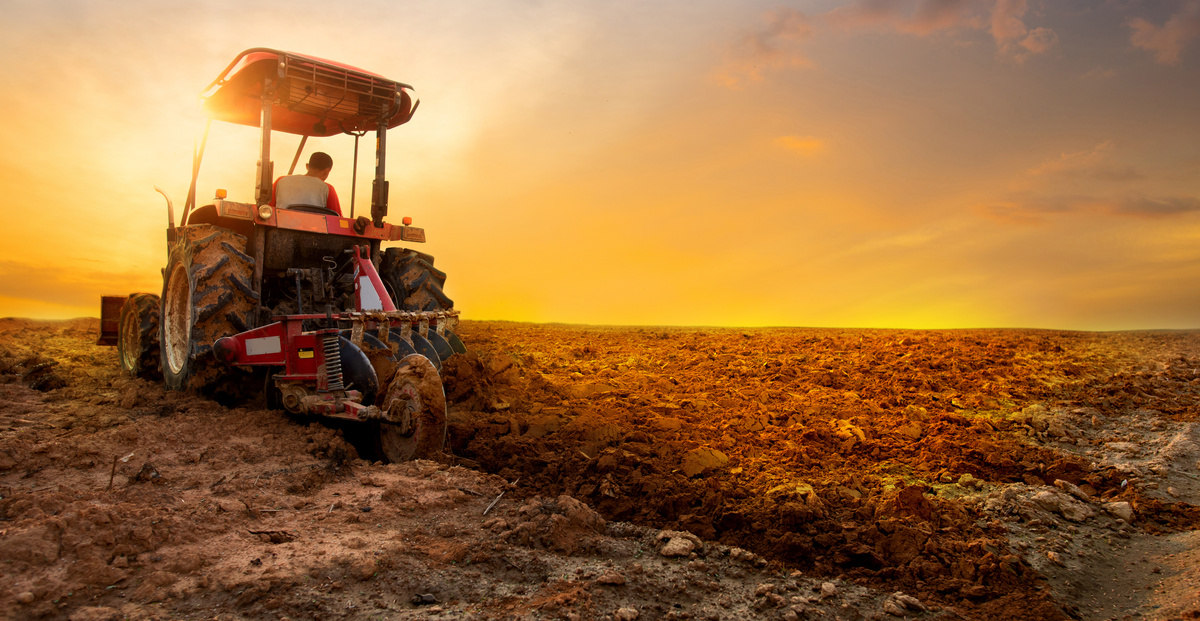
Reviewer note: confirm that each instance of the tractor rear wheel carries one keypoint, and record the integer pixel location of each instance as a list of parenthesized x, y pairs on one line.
[(207, 294), (137, 336), (413, 281)]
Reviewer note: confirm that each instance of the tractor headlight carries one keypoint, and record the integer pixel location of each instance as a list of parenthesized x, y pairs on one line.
[(264, 212)]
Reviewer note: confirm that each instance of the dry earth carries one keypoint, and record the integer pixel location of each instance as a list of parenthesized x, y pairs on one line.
[(625, 473)]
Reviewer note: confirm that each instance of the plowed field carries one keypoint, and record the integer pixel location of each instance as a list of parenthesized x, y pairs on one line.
[(940, 464), (838, 451)]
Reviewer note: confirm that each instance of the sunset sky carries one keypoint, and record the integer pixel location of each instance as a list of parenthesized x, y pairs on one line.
[(854, 163)]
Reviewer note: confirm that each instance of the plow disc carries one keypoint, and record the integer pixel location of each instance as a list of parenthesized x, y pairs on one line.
[(414, 412)]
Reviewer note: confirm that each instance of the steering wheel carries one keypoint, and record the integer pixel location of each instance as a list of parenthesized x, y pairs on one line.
[(325, 211)]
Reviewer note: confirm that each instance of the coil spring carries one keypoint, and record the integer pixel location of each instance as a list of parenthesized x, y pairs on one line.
[(333, 362)]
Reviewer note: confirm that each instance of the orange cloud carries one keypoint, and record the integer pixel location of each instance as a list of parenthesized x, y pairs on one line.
[(772, 47), (776, 45), (1006, 21), (1167, 41), (1013, 38), (804, 145)]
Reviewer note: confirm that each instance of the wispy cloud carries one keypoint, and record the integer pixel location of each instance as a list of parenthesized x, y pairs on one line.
[(1077, 183), (917, 17), (1168, 40), (1095, 163), (1033, 210), (777, 44), (1099, 73)]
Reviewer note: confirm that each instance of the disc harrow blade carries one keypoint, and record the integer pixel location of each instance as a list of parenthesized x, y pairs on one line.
[(455, 343), (357, 371), (402, 347), (425, 348), (441, 345)]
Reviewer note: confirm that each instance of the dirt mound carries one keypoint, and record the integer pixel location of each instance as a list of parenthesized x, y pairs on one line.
[(564, 525)]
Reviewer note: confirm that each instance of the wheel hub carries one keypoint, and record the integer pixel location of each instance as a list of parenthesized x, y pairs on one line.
[(177, 319), (130, 343)]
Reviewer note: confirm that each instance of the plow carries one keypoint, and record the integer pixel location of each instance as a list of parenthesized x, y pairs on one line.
[(294, 299)]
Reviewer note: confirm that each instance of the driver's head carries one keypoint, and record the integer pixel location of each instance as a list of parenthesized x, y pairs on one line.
[(319, 165)]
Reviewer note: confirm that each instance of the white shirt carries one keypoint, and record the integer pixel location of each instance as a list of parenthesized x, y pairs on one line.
[(300, 190)]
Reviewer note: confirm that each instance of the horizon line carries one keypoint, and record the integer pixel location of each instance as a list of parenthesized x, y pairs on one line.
[(733, 327)]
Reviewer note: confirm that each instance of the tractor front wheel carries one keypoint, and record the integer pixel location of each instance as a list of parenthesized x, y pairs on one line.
[(137, 336)]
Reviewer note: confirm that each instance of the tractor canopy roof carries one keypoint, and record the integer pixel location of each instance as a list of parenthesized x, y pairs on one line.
[(309, 96)]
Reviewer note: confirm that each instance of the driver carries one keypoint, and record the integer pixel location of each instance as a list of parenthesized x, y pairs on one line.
[(309, 188)]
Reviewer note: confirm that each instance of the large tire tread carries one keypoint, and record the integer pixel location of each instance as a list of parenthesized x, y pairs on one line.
[(137, 342), (414, 282), (222, 302)]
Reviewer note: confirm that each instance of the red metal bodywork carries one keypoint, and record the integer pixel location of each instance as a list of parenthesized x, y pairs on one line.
[(303, 359), (227, 210), (369, 292), (280, 344), (332, 108)]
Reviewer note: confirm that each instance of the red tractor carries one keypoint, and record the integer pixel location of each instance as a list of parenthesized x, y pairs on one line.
[(343, 328)]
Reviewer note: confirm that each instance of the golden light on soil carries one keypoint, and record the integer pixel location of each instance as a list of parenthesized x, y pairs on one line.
[(979, 473)]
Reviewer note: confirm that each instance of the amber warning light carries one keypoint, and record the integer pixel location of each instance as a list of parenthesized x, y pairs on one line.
[(406, 220)]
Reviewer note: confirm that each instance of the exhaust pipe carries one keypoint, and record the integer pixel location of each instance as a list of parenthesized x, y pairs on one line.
[(170, 209)]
